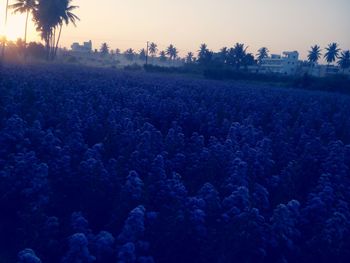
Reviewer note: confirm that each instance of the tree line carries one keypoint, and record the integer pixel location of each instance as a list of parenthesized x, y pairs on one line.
[(237, 56)]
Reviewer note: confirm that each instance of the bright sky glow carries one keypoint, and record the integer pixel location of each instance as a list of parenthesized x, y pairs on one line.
[(278, 24)]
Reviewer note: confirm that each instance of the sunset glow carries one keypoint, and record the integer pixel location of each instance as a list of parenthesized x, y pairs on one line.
[(282, 25)]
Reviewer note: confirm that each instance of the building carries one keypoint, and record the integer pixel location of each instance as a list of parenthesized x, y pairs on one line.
[(318, 70), (85, 48), (286, 64)]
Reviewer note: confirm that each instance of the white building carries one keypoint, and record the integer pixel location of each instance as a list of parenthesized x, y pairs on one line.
[(286, 64), (85, 48), (318, 70)]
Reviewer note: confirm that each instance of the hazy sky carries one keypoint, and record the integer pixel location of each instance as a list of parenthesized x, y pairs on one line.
[(278, 24)]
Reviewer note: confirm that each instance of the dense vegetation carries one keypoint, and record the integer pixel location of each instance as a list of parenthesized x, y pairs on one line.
[(99, 166)]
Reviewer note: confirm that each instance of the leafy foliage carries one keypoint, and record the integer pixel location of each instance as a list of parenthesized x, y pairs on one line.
[(101, 166)]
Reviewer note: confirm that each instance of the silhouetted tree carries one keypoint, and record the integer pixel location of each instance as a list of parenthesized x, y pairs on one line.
[(248, 60), (50, 14), (224, 54), (129, 54), (262, 54), (66, 16), (142, 54), (344, 60), (162, 56), (172, 52), (189, 57), (24, 6), (153, 49), (3, 39), (204, 55), (104, 49), (36, 50), (236, 55), (332, 53), (314, 54)]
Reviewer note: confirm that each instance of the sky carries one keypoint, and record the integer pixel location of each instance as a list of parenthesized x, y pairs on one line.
[(280, 25)]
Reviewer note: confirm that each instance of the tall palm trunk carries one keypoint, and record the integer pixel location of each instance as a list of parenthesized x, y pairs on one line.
[(53, 43), (58, 40), (3, 42), (25, 36), (26, 29)]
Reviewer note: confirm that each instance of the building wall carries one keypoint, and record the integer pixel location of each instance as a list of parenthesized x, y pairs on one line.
[(86, 47), (287, 64)]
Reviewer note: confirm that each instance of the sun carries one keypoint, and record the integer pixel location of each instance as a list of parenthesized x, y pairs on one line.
[(15, 27)]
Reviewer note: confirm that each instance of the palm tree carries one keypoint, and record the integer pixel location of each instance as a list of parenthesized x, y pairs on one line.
[(175, 53), (142, 54), (314, 54), (153, 49), (332, 53), (204, 54), (189, 57), (262, 54), (46, 17), (4, 37), (248, 60), (129, 54), (50, 14), (223, 54), (162, 56), (172, 52), (344, 60), (24, 6), (66, 16), (237, 55), (203, 49)]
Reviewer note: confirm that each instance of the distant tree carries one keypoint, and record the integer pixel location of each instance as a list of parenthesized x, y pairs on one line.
[(142, 54), (153, 49), (223, 54), (262, 53), (332, 53), (248, 60), (189, 57), (104, 50), (129, 54), (344, 60), (204, 55), (237, 55), (314, 54), (117, 52), (202, 52), (24, 6), (162, 56), (36, 50), (20, 44), (172, 52)]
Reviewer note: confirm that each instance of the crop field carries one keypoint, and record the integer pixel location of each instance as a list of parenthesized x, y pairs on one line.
[(98, 165)]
